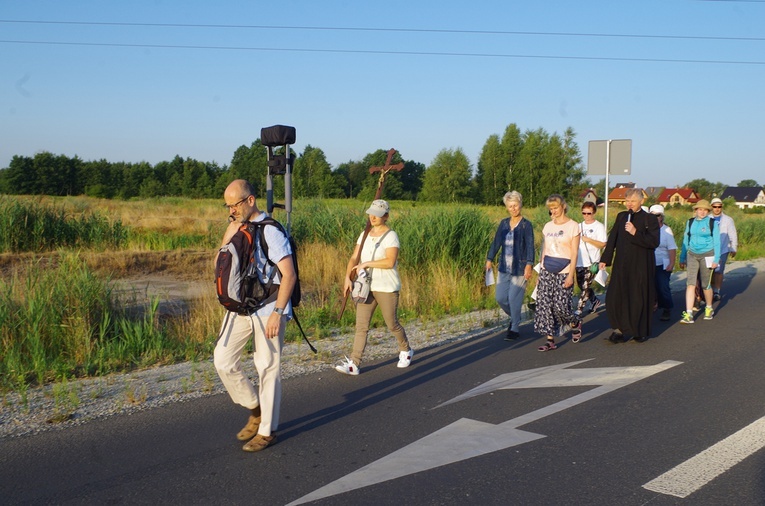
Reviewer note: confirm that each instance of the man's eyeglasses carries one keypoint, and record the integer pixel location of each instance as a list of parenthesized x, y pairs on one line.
[(716, 207), (586, 214), (230, 206)]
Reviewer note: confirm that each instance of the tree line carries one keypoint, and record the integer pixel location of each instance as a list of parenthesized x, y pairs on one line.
[(533, 162)]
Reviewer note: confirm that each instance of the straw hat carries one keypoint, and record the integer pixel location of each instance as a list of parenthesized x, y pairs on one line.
[(702, 204)]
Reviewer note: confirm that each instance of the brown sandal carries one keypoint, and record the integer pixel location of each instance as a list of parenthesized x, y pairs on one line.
[(249, 430), (259, 443)]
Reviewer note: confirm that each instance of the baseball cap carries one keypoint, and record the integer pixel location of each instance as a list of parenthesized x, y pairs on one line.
[(378, 208), (657, 209)]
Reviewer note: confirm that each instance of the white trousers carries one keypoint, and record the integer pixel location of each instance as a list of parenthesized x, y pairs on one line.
[(235, 332)]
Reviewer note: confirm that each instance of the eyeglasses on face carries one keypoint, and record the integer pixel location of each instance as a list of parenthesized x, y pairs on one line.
[(586, 213), (716, 207), (231, 206)]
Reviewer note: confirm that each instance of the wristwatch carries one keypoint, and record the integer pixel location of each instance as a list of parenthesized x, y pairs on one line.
[(279, 310)]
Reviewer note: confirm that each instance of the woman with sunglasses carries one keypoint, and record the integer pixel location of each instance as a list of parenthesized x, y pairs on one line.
[(592, 239)]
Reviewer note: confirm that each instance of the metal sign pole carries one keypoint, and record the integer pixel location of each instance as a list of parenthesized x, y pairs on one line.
[(608, 171)]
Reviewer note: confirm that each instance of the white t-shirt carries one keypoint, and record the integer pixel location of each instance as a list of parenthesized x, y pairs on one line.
[(595, 230), (666, 243), (383, 280)]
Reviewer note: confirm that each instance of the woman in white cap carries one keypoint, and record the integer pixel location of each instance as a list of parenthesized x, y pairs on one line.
[(666, 255), (379, 261)]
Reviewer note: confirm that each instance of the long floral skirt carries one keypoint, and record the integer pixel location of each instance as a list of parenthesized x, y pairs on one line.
[(554, 310)]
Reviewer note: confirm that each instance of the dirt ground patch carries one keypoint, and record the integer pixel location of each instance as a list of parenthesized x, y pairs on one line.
[(183, 265), (174, 277)]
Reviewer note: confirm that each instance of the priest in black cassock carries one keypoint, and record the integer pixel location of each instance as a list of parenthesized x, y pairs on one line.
[(631, 292)]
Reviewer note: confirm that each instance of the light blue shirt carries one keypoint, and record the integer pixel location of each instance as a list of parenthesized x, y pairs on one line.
[(701, 240), (278, 248)]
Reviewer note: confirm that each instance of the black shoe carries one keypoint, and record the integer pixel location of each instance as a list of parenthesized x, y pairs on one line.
[(665, 315), (641, 339), (512, 335), (716, 297), (616, 337)]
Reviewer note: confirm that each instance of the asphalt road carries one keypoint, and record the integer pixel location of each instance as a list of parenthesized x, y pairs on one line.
[(589, 423)]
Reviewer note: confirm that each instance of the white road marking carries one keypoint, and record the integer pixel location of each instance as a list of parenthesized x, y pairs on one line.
[(694, 473), (465, 438)]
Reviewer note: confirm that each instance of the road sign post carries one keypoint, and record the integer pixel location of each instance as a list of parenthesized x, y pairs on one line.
[(609, 157)]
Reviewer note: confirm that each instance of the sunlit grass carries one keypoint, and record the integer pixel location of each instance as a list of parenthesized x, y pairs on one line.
[(61, 321), (61, 318)]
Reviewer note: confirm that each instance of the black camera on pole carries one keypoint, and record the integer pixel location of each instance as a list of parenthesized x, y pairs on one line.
[(279, 164)]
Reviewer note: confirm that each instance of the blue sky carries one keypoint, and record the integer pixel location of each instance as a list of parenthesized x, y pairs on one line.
[(416, 76)]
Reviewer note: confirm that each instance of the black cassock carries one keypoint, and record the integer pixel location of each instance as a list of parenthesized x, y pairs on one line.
[(631, 292)]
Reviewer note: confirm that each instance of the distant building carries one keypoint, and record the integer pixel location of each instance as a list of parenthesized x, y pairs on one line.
[(589, 195), (677, 197), (616, 196), (745, 197)]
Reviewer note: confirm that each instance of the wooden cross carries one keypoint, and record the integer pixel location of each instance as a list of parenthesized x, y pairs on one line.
[(378, 194), (384, 170)]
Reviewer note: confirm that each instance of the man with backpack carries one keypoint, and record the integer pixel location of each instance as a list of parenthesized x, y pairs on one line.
[(701, 253), (265, 323)]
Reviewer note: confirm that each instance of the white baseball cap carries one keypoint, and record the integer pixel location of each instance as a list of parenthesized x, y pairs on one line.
[(657, 209), (378, 208)]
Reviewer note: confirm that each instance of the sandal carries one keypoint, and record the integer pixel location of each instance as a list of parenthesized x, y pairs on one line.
[(548, 346), (576, 332)]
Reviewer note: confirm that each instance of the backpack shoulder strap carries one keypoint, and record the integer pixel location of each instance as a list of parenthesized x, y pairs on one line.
[(259, 226), (711, 227)]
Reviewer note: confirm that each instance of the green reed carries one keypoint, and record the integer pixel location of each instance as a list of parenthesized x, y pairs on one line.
[(63, 321), (27, 226)]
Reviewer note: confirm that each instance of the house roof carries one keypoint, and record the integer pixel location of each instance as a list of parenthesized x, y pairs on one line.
[(686, 194), (619, 192), (741, 193)]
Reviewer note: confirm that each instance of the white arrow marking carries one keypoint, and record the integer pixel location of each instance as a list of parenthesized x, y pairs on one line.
[(465, 438), (694, 473)]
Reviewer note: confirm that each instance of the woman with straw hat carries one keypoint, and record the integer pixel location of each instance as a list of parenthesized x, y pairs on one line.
[(701, 254)]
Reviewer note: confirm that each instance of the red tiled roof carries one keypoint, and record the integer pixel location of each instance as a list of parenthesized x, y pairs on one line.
[(686, 194), (617, 193)]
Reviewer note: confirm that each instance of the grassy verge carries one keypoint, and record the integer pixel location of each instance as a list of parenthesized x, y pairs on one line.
[(61, 321), (60, 317)]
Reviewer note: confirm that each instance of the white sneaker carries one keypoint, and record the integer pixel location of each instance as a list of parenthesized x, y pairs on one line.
[(348, 367), (405, 358)]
